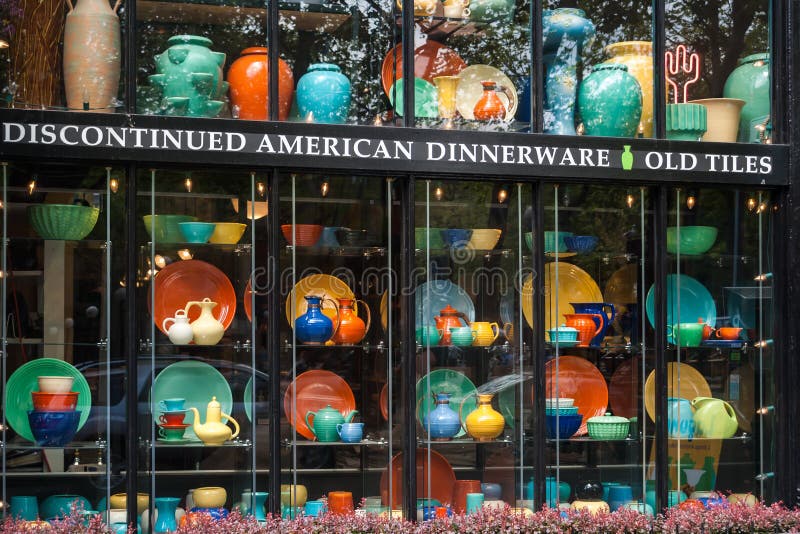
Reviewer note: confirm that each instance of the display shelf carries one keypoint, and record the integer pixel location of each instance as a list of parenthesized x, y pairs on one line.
[(288, 346), (342, 252), (197, 445), (40, 341), (464, 124), (587, 439), (75, 445), (193, 248), (90, 244), (362, 443), (466, 441), (57, 474), (25, 274)]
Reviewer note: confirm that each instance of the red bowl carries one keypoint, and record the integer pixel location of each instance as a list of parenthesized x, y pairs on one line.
[(306, 235), (54, 402), (174, 425)]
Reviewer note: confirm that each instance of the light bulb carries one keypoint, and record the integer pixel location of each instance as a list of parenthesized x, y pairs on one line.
[(629, 200), (762, 207), (690, 201), (113, 185), (324, 188), (160, 261), (187, 183), (184, 254), (502, 195), (438, 193), (31, 186), (751, 204), (261, 188)]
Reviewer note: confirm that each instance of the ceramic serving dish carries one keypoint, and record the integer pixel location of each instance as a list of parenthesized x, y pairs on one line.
[(608, 427), (62, 221)]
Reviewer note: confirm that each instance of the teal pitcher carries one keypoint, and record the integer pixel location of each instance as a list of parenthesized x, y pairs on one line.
[(325, 421)]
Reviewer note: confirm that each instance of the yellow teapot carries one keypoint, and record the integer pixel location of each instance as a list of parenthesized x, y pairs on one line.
[(214, 431)]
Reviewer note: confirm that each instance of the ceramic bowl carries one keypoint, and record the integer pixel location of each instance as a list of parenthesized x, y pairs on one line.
[(491, 491), (582, 244), (196, 232), (560, 402), (59, 505), (694, 240), (484, 238), (209, 497), (306, 235), (424, 235), (257, 211), (567, 425), (119, 500), (216, 513), (456, 237), (226, 233), (293, 495), (55, 384), (461, 336), (62, 221), (354, 238), (165, 228), (554, 241), (54, 402), (564, 410), (53, 429)]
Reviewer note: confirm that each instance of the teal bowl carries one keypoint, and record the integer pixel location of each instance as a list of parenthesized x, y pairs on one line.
[(165, 228), (553, 241), (58, 506), (196, 232), (694, 240), (68, 222)]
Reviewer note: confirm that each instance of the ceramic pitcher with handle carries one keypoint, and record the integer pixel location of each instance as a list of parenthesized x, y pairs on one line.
[(714, 418), (206, 329), (607, 313)]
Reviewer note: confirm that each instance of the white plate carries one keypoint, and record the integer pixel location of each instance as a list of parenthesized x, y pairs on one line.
[(469, 89)]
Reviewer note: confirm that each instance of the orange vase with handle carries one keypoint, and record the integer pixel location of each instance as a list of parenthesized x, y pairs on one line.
[(449, 317), (588, 326), (489, 106), (352, 328)]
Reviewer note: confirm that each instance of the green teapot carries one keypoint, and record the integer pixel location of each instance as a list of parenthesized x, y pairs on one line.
[(714, 418), (325, 421)]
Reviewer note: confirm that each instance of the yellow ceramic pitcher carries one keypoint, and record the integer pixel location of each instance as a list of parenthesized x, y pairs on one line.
[(484, 334)]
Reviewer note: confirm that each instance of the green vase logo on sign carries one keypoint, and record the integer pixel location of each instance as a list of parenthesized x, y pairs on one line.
[(627, 158)]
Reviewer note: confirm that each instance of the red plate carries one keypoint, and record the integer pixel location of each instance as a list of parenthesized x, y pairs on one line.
[(430, 60), (184, 281), (623, 388), (442, 479), (578, 379), (385, 401), (315, 390), (248, 295)]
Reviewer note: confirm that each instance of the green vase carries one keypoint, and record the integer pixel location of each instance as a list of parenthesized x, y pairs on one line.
[(686, 122), (627, 158), (750, 82), (610, 101)]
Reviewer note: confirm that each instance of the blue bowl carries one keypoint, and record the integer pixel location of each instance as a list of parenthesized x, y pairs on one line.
[(582, 244), (215, 513), (456, 237), (53, 429), (567, 425), (197, 232)]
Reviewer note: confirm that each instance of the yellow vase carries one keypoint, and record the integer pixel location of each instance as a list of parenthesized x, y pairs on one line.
[(638, 56), (484, 334), (446, 91), (485, 423)]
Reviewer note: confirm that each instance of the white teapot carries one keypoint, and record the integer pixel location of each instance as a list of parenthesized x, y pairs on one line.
[(180, 333)]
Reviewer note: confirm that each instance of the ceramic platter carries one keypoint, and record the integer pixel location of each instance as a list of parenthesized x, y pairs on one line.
[(470, 90), (438, 471), (247, 398), (432, 59), (195, 381), (385, 312), (426, 100), (574, 285), (26, 380), (314, 390), (432, 297), (322, 285), (460, 388), (184, 281), (623, 398), (695, 302), (683, 381), (385, 402), (578, 379), (247, 299)]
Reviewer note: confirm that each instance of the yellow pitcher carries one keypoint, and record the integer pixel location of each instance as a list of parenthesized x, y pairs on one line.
[(206, 329), (484, 423), (484, 333), (214, 431)]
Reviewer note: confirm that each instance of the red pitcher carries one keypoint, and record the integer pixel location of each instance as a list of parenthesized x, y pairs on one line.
[(351, 327), (588, 325), (489, 106)]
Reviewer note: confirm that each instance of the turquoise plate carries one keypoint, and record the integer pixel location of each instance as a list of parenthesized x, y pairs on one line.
[(426, 99), (446, 381), (695, 302), (431, 297)]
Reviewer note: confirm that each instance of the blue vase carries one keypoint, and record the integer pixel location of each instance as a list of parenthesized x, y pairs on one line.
[(610, 101), (566, 32), (254, 504), (618, 496), (443, 421), (166, 507), (598, 308), (323, 94), (313, 327)]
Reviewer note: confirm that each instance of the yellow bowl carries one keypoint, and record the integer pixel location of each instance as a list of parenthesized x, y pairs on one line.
[(293, 495), (484, 238), (209, 497), (118, 500), (227, 233)]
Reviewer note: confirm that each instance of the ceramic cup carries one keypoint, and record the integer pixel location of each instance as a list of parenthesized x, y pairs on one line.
[(727, 332), (172, 418), (171, 433), (689, 334), (461, 336), (474, 502), (171, 405), (55, 384), (24, 507), (314, 508), (340, 502), (350, 432)]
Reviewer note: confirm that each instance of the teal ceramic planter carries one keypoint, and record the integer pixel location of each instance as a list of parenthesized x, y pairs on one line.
[(750, 82), (686, 122), (323, 94), (610, 101)]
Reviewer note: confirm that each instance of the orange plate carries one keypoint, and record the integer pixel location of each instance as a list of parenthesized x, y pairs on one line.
[(385, 401), (442, 479), (430, 60), (248, 295), (315, 390), (183, 281), (623, 388), (578, 379)]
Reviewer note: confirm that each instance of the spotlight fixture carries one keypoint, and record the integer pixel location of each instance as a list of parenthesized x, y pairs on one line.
[(324, 189), (691, 200)]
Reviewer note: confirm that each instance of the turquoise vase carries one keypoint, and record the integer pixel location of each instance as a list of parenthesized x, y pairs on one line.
[(442, 423), (166, 507), (189, 76), (566, 32), (750, 82), (254, 504), (610, 101), (323, 94), (313, 327)]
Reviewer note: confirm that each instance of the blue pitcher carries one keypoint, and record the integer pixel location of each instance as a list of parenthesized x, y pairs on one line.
[(598, 308), (680, 418), (314, 327)]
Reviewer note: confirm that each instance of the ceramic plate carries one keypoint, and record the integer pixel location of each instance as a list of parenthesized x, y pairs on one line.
[(385, 312), (683, 381), (578, 379), (431, 297), (317, 284), (432, 59), (385, 402), (247, 397), (460, 388), (620, 289), (442, 478), (195, 381), (315, 390), (623, 388), (470, 89), (247, 299), (183, 281), (26, 379), (574, 285), (426, 100), (506, 400), (695, 302), (507, 303)]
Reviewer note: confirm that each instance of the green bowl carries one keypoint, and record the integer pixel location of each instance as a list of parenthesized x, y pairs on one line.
[(166, 228), (435, 238), (553, 241), (694, 240), (62, 221)]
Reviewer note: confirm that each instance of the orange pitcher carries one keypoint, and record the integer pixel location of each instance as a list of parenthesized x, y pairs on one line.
[(588, 325), (351, 327), (449, 317), (489, 106)]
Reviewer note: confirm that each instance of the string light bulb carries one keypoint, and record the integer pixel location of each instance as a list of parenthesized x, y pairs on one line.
[(691, 200), (184, 254), (261, 188), (629, 200), (502, 195), (32, 185), (324, 189), (187, 183), (438, 192), (751, 204), (113, 185), (160, 261)]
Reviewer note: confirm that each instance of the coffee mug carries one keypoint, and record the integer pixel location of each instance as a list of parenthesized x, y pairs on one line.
[(172, 418), (24, 507), (455, 11), (728, 332), (171, 433), (350, 432), (314, 508), (474, 502), (340, 502), (171, 405), (689, 334)]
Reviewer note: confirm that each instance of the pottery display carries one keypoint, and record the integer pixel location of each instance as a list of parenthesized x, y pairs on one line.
[(323, 423), (180, 333), (119, 500), (428, 335), (227, 233), (248, 77), (484, 333), (53, 428), (213, 431), (340, 502), (714, 418), (462, 336), (165, 519), (351, 328), (563, 334), (206, 329), (449, 318), (686, 334), (484, 423), (350, 432), (92, 55), (254, 503), (484, 238), (442, 423), (608, 427), (610, 101), (690, 240), (588, 325), (294, 495), (55, 384), (605, 310), (189, 76), (728, 333), (638, 57), (314, 327), (489, 106), (323, 94), (750, 81)]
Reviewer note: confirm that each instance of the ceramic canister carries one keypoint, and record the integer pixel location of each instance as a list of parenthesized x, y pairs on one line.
[(323, 94), (610, 101)]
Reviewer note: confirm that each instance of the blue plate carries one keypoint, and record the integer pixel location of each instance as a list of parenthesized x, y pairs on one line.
[(695, 302), (431, 297)]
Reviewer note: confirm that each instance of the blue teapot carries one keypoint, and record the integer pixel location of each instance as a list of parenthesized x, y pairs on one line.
[(314, 327), (598, 308)]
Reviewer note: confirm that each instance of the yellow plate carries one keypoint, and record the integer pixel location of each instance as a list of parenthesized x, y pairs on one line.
[(470, 90), (692, 384), (621, 288), (323, 285), (574, 285)]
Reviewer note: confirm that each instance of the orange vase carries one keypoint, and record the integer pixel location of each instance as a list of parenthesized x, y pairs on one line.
[(489, 106), (249, 80), (351, 327), (588, 326)]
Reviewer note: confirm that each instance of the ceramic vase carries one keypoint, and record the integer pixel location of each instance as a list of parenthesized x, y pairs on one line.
[(686, 122), (313, 327), (253, 504), (627, 158), (566, 32), (750, 82), (638, 57), (92, 55), (323, 94), (722, 119), (189, 76), (442, 423), (489, 106), (165, 520), (610, 102), (485, 423), (352, 328), (249, 80)]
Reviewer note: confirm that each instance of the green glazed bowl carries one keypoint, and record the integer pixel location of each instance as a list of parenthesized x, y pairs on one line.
[(435, 238), (553, 241), (694, 240), (63, 221), (166, 228)]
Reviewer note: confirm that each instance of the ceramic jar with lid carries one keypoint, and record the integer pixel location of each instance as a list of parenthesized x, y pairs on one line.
[(608, 427)]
